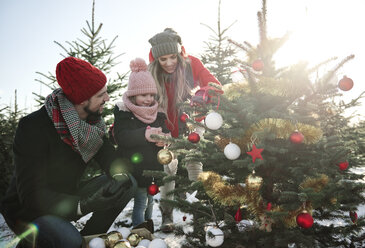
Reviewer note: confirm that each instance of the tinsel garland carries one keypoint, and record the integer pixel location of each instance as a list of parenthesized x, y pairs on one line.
[(233, 195), (280, 127)]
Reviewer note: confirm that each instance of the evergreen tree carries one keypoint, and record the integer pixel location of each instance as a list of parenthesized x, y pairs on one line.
[(97, 52), (9, 117), (219, 56), (285, 156)]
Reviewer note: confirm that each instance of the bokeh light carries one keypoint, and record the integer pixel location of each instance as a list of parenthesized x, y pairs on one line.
[(136, 158)]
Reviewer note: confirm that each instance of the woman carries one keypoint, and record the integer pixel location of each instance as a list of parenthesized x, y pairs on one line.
[(175, 74)]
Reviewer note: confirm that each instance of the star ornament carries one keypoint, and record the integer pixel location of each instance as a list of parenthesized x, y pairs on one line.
[(255, 153), (191, 197)]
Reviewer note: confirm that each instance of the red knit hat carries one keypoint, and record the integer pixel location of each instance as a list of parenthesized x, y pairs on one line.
[(79, 79)]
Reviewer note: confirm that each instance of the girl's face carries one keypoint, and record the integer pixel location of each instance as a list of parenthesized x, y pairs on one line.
[(145, 99), (168, 62)]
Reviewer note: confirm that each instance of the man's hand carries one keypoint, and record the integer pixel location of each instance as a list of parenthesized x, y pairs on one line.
[(106, 197)]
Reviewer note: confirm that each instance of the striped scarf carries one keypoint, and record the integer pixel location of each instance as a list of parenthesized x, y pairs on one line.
[(84, 138)]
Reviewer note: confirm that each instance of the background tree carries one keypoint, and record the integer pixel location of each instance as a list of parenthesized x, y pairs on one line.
[(97, 52), (282, 159), (219, 55), (9, 117)]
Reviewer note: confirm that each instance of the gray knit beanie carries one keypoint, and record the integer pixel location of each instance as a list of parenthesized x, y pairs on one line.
[(166, 42)]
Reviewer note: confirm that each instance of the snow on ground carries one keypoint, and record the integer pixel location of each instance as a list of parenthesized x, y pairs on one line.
[(6, 236)]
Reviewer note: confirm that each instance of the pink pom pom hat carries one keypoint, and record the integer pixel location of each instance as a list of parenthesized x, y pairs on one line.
[(140, 80)]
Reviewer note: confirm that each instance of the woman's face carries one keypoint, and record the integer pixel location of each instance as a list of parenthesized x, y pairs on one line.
[(168, 62)]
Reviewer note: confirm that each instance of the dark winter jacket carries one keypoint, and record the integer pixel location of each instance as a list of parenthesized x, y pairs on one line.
[(47, 171), (129, 134)]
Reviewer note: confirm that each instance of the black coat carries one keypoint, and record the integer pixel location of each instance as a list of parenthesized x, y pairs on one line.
[(129, 134), (47, 171)]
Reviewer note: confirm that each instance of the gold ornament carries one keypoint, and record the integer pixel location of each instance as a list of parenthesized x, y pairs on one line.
[(254, 182), (122, 244), (333, 200), (113, 237), (134, 239), (164, 156)]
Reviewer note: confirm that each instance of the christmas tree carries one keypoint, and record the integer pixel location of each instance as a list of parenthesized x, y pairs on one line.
[(281, 157), (220, 55), (97, 52)]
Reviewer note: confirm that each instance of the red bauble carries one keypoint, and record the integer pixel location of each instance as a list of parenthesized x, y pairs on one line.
[(194, 137), (345, 83), (296, 137), (304, 220), (258, 65), (353, 216), (343, 165), (200, 97), (184, 117), (152, 189)]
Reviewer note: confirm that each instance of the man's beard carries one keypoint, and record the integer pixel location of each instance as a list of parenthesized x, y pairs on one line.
[(92, 115)]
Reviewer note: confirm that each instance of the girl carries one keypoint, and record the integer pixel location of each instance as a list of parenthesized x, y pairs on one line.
[(135, 120)]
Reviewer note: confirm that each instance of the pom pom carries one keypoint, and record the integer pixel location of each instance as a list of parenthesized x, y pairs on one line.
[(138, 65)]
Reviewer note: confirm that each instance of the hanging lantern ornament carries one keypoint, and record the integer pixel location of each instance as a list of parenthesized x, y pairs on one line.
[(164, 156), (253, 182), (213, 120), (258, 65), (152, 189), (183, 117), (214, 236), (232, 151), (343, 165), (345, 83), (353, 216), (194, 137), (296, 137), (304, 220)]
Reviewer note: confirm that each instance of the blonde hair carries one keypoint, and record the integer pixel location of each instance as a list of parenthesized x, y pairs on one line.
[(178, 78)]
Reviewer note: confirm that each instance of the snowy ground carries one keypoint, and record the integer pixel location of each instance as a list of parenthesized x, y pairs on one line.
[(6, 236)]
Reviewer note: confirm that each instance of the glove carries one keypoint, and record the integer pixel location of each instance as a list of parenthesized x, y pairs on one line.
[(106, 197)]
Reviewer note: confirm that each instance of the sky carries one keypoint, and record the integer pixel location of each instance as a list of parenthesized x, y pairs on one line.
[(321, 29)]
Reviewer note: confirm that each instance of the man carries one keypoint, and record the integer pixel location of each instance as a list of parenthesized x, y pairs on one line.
[(52, 148)]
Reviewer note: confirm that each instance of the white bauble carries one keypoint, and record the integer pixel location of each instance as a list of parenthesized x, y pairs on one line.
[(157, 243), (124, 231), (144, 243), (218, 238), (213, 121), (232, 151), (97, 243)]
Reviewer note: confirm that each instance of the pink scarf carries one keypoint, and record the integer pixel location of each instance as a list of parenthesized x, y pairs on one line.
[(145, 114)]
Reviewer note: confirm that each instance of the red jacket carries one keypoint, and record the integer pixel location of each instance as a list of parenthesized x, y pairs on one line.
[(202, 77)]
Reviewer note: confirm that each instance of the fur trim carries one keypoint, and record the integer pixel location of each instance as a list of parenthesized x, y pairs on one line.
[(121, 106)]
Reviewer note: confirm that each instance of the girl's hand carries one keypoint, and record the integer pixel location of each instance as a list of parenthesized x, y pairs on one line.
[(152, 130)]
